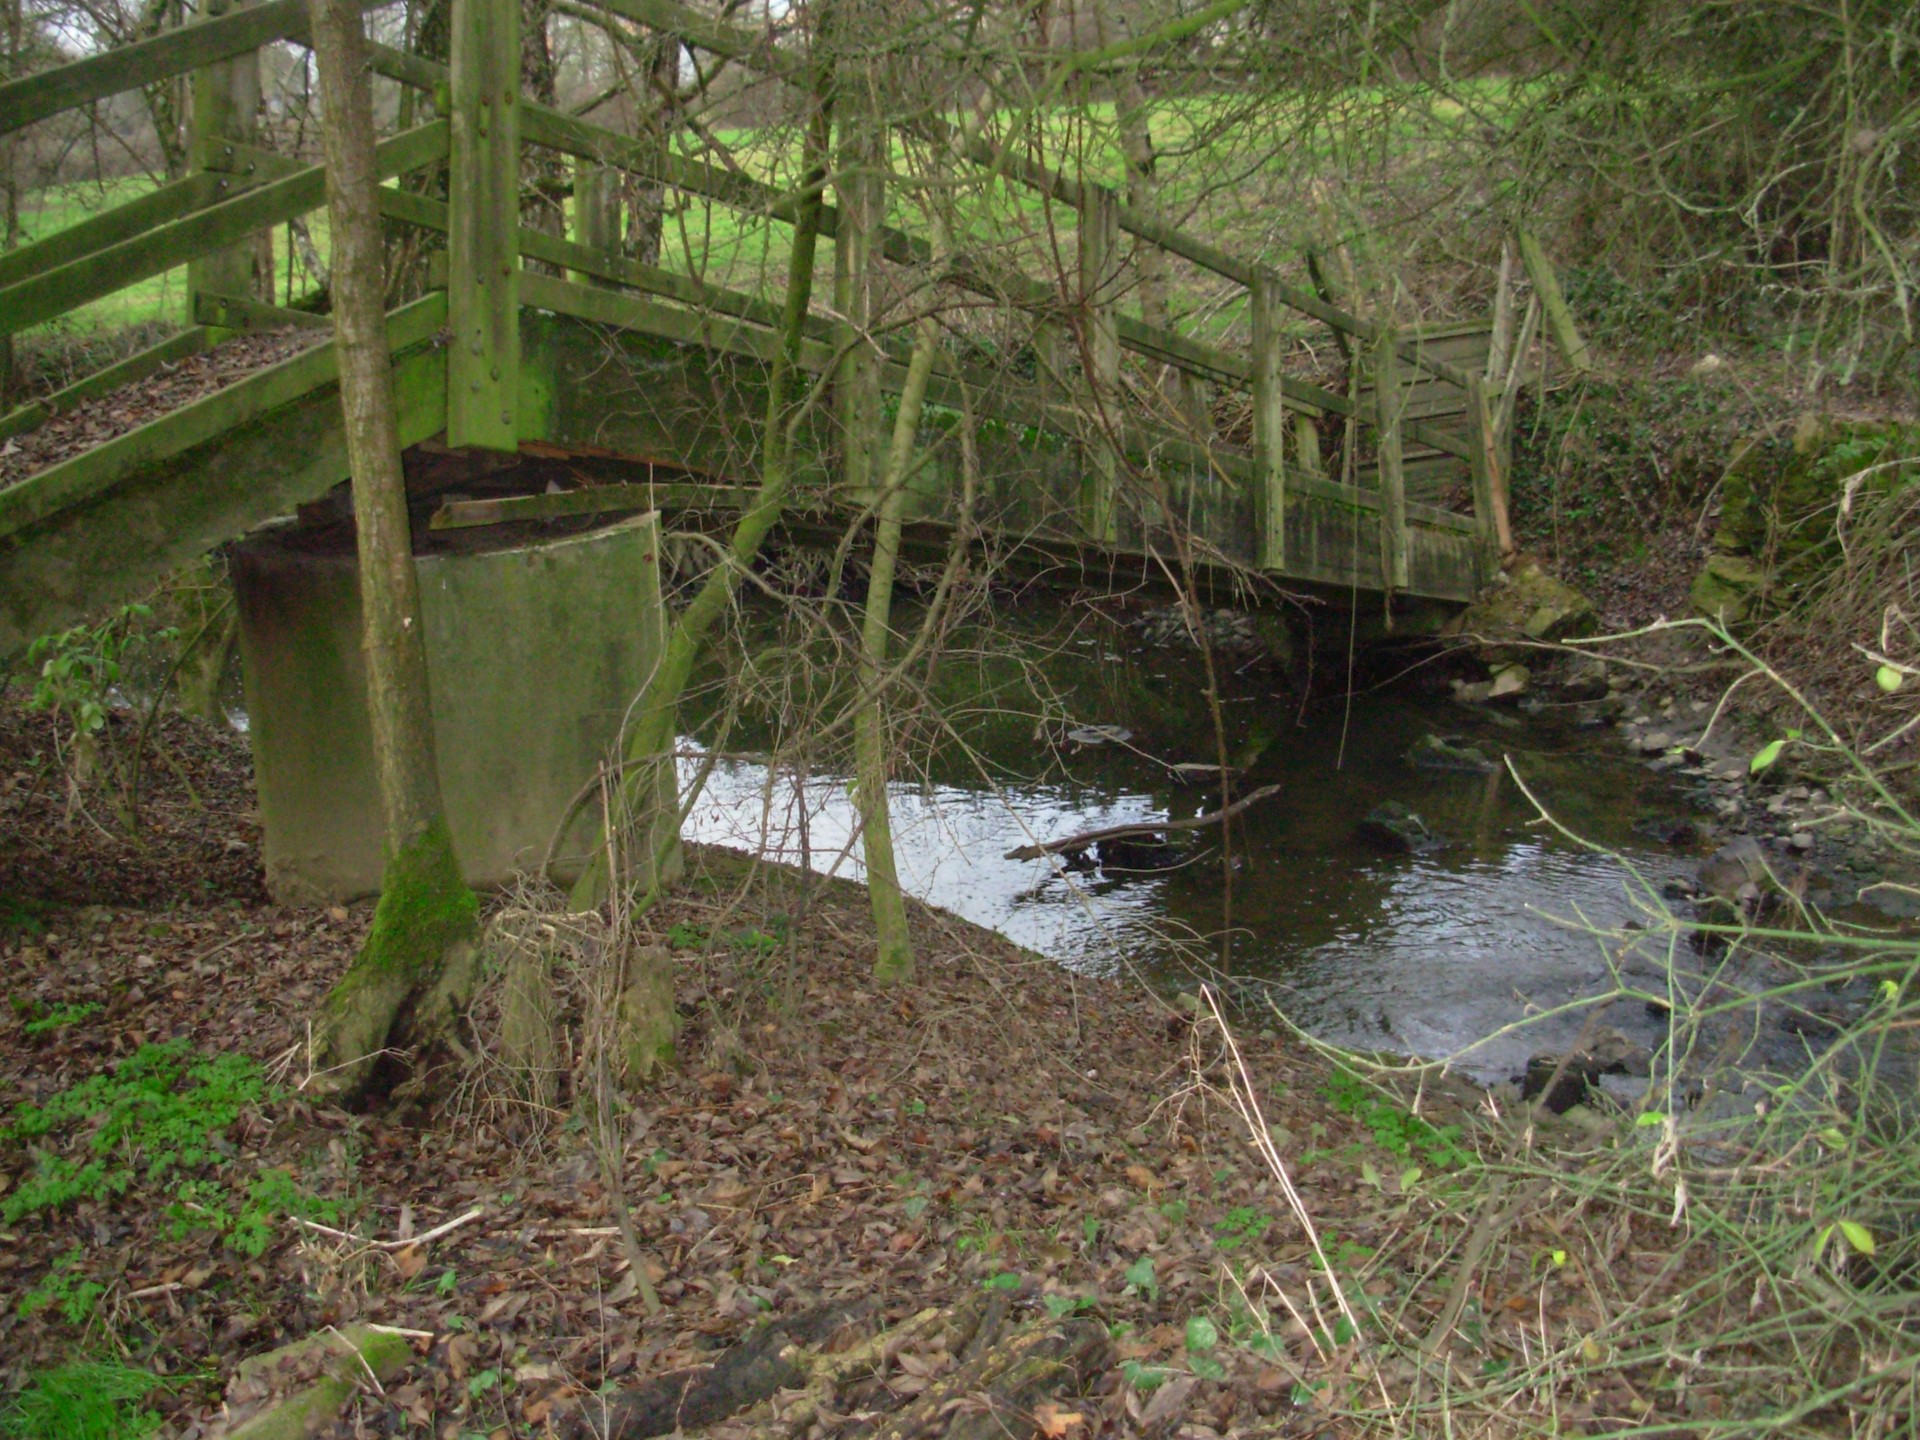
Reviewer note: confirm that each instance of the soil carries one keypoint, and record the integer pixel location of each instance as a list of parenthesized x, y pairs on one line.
[(998, 1123)]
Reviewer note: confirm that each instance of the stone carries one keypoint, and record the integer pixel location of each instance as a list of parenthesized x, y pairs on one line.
[(1474, 692), (1586, 679), (1526, 604), (1509, 680), (1393, 827), (1801, 840), (1729, 589), (1447, 752), (1732, 867)]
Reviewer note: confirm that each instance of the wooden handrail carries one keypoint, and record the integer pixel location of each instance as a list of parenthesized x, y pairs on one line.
[(172, 52), (89, 277)]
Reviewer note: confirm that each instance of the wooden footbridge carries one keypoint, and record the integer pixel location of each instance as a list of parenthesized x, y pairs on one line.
[(623, 385)]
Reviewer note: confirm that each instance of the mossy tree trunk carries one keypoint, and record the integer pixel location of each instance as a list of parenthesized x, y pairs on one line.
[(409, 980)]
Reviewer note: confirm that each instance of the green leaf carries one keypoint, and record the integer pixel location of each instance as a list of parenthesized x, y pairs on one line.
[(1208, 1368), (1888, 678), (1858, 1236), (1201, 1333), (1648, 1118), (1766, 755), (1140, 1276)]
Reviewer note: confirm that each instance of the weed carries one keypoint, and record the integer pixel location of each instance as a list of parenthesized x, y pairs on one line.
[(1395, 1129), (65, 1290), (61, 1016), (160, 1112)]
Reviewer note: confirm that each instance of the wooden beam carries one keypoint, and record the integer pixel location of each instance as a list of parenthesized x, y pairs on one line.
[(1269, 431), (483, 299), (243, 312), (129, 67), (135, 367), (1489, 479), (157, 207), (1546, 285), (76, 481), (55, 291), (856, 381), (588, 500)]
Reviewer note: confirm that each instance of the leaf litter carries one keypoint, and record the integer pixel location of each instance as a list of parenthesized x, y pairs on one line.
[(1000, 1133)]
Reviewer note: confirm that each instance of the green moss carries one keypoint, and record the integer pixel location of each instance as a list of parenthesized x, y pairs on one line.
[(425, 907)]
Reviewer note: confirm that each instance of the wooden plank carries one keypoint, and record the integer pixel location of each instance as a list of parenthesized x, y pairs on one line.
[(135, 367), (1393, 479), (58, 290), (156, 207), (243, 312), (483, 298), (1546, 285), (80, 479), (1269, 430), (128, 67), (588, 500)]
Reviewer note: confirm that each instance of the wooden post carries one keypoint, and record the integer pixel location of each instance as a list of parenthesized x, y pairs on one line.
[(1099, 286), (596, 215), (1269, 430), (1546, 285), (226, 99), (483, 289), (856, 383), (1389, 399), (1500, 333), (1306, 445), (1489, 477)]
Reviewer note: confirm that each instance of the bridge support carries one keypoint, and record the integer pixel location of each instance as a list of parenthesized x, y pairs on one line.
[(536, 653)]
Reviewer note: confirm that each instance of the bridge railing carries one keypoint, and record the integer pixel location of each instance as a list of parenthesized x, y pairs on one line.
[(485, 125)]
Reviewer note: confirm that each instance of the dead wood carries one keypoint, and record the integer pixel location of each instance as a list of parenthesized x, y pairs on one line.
[(995, 1394), (774, 1357), (1150, 827)]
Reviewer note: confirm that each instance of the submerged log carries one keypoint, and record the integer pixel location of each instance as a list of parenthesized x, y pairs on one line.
[(1086, 839)]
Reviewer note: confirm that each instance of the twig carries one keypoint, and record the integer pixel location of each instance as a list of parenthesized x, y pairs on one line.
[(1148, 827), (431, 1235)]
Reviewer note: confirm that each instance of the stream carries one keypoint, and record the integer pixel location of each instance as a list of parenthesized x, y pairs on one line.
[(1414, 953)]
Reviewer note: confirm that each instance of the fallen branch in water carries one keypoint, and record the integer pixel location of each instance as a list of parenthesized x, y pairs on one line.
[(1149, 827)]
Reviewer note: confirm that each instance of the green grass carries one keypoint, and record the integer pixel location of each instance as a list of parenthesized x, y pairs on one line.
[(88, 1400)]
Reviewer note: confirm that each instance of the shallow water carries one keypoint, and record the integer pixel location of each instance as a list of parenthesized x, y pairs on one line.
[(1423, 954)]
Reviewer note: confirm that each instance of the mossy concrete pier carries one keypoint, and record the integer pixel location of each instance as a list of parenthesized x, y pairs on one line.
[(535, 648)]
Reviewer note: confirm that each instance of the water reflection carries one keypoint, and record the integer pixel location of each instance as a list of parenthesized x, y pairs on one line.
[(1421, 954)]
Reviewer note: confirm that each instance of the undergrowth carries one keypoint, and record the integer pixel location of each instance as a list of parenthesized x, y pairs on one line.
[(159, 1122), (1734, 1254)]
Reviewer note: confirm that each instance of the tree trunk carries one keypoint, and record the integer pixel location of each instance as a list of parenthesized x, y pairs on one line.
[(410, 977), (894, 959)]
